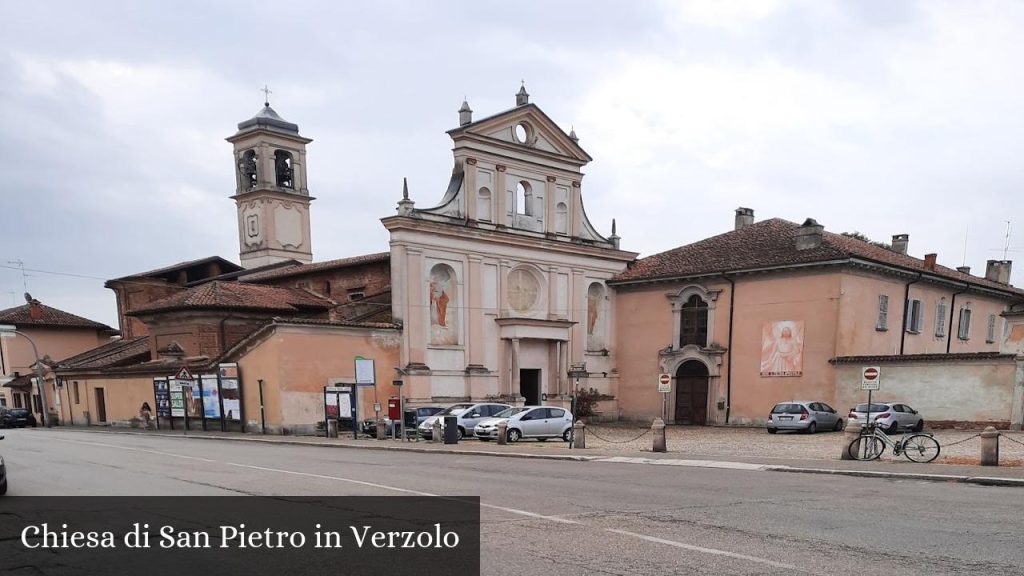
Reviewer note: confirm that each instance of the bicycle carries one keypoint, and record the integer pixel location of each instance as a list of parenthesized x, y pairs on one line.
[(916, 446)]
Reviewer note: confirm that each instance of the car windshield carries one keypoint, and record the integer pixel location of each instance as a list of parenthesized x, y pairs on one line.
[(19, 412), (787, 409), (874, 408), (454, 410), (508, 412)]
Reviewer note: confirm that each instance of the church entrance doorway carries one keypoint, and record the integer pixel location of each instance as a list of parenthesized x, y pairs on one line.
[(529, 385), (692, 393)]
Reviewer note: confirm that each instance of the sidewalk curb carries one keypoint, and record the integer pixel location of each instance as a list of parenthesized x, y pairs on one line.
[(979, 480)]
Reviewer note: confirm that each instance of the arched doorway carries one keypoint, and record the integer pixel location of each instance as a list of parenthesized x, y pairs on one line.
[(692, 393)]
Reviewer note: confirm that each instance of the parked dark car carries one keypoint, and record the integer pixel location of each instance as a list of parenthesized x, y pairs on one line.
[(16, 418)]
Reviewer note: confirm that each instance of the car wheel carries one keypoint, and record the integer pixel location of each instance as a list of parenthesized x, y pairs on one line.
[(893, 428), (839, 425), (514, 435), (462, 432), (919, 426), (812, 428), (567, 435), (773, 430)]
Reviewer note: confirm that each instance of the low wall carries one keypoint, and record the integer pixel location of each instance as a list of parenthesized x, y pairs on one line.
[(950, 392)]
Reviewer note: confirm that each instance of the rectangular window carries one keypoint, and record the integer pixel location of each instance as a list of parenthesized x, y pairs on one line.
[(915, 321), (883, 312), (74, 388), (990, 334), (940, 319), (964, 333)]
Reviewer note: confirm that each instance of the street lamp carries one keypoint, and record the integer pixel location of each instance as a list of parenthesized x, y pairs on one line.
[(8, 331)]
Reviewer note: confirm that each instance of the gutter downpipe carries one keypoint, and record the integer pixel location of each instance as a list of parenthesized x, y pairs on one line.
[(906, 304), (952, 309), (728, 363)]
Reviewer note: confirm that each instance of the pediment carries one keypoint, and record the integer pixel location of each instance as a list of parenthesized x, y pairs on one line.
[(528, 127)]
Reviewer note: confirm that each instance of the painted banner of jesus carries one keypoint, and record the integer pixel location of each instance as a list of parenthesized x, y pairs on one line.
[(782, 348), (443, 324)]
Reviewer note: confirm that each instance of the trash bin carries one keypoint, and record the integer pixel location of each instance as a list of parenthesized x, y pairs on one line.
[(451, 429)]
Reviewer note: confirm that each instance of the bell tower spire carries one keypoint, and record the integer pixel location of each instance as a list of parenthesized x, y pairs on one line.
[(271, 193)]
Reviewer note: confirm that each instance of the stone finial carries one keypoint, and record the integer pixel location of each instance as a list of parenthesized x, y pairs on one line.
[(405, 206), (465, 113), (572, 134), (614, 237), (522, 97)]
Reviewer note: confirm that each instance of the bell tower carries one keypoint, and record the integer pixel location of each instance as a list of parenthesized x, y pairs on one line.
[(271, 192)]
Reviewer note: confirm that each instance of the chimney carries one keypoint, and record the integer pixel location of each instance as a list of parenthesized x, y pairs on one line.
[(929, 261), (963, 269), (744, 217), (998, 271), (808, 236), (465, 114), (900, 242), (35, 309)]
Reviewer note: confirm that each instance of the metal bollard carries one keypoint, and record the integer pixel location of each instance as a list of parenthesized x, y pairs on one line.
[(382, 430), (658, 432), (502, 433), (435, 431), (851, 440), (332, 428), (579, 435), (990, 447)]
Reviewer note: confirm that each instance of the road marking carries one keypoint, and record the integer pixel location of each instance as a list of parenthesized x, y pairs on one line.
[(556, 519), (703, 550), (689, 463)]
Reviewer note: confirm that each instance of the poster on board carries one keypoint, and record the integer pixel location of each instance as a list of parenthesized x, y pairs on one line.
[(162, 394), (210, 404), (178, 396)]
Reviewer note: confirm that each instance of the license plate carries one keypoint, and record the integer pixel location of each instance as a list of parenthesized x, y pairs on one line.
[(785, 417)]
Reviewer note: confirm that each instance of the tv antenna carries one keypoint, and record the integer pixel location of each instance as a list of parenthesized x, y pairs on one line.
[(1006, 245), (21, 265)]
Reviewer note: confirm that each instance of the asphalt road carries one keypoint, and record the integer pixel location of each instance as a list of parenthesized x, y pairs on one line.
[(567, 518)]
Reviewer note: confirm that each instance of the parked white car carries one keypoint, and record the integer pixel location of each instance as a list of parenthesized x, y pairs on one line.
[(889, 416), (540, 422), (468, 414)]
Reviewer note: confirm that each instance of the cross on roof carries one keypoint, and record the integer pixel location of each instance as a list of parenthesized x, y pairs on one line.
[(266, 95)]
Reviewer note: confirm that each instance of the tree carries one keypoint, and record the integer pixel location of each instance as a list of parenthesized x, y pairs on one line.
[(858, 236)]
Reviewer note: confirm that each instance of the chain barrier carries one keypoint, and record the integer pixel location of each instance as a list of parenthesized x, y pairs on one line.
[(1011, 439), (590, 432), (944, 445)]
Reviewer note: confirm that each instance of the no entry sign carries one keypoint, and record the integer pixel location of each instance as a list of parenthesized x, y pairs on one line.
[(870, 378), (665, 383)]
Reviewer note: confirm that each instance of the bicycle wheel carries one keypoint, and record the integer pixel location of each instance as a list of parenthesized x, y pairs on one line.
[(866, 448), (921, 448)]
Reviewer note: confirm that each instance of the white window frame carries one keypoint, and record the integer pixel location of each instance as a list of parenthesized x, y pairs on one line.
[(964, 327), (915, 316)]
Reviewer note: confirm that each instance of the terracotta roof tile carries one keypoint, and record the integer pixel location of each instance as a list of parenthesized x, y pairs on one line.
[(108, 355), (771, 244), (226, 265), (317, 267), (51, 317), (219, 295), (921, 357)]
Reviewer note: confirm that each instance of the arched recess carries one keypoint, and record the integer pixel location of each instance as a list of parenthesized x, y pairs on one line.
[(561, 218), (443, 296), (483, 204), (596, 317)]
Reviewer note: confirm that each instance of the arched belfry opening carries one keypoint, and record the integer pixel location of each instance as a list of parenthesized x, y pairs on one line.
[(691, 406), (283, 171), (247, 170)]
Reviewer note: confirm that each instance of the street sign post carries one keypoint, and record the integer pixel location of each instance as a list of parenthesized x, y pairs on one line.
[(664, 387), (870, 380)]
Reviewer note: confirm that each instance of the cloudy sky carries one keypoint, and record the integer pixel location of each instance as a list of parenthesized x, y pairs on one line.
[(881, 116)]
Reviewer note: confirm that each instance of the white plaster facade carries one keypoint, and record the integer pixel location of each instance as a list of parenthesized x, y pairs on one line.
[(501, 286)]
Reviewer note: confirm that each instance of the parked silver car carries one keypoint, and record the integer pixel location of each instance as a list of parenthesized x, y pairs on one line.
[(889, 416), (540, 422), (468, 414), (805, 416)]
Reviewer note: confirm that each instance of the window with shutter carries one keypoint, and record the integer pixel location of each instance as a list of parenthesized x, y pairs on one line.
[(883, 312), (964, 331), (990, 334), (914, 321), (940, 319)]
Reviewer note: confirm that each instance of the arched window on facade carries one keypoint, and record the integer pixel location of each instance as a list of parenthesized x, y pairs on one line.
[(247, 169), (483, 205), (694, 322), (524, 199), (283, 169)]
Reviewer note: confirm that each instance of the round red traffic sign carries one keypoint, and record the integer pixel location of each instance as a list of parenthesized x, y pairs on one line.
[(665, 379), (871, 373)]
